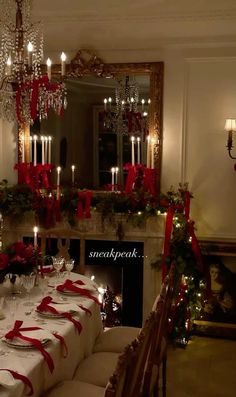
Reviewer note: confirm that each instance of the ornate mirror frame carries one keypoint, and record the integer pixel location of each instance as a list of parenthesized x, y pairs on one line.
[(87, 63)]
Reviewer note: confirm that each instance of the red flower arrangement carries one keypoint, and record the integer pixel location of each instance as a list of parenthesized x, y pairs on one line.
[(19, 258)]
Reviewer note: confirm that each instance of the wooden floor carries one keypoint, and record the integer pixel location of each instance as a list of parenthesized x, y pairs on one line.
[(205, 368)]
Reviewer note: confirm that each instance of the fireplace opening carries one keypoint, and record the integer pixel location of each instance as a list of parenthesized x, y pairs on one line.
[(119, 265)]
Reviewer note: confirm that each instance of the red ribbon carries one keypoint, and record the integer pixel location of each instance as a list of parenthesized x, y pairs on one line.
[(85, 309), (44, 306), (62, 342), (130, 180), (149, 180), (16, 333), (168, 231), (21, 377), (195, 246), (84, 204), (70, 286)]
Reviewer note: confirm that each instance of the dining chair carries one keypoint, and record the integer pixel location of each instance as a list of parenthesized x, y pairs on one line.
[(126, 379), (157, 357)]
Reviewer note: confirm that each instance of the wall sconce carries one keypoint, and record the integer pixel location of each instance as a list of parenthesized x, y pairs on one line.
[(230, 127)]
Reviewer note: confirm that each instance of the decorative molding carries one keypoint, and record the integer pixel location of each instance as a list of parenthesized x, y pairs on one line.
[(211, 15)]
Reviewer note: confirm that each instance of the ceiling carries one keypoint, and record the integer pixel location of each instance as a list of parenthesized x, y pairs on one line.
[(107, 25)]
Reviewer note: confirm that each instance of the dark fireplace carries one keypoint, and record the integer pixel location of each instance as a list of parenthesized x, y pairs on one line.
[(119, 265), (116, 264)]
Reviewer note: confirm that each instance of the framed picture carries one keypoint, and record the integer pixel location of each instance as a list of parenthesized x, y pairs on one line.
[(217, 314)]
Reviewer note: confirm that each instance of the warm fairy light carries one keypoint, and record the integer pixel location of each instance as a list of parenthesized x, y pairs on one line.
[(30, 47)]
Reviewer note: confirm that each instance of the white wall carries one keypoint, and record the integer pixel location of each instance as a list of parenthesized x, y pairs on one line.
[(199, 94)]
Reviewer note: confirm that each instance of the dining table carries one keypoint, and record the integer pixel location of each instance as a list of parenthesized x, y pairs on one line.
[(45, 334)]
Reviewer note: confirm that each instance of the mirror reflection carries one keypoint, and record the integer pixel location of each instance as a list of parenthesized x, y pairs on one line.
[(94, 134)]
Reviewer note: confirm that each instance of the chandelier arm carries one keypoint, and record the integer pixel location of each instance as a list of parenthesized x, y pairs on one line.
[(230, 155)]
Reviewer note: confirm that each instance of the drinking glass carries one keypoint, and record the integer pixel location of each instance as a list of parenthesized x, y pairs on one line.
[(69, 264), (28, 281), (43, 285), (12, 303), (58, 262)]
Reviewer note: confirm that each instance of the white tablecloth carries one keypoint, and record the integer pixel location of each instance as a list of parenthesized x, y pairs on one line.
[(30, 362)]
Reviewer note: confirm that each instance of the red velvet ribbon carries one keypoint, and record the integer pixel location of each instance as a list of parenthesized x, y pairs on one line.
[(195, 246), (62, 343), (69, 285), (130, 180), (187, 205), (168, 231), (44, 306), (23, 173), (21, 377), (16, 333), (149, 180), (34, 86), (84, 204), (85, 309)]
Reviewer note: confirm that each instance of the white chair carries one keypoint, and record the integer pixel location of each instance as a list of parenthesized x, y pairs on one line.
[(126, 379)]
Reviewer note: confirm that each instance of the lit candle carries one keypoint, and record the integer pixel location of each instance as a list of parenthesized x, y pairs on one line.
[(73, 174), (132, 150), (58, 175), (148, 151), (49, 68), (43, 140), (30, 54), (46, 149), (116, 175), (35, 148), (30, 145), (152, 152), (35, 236), (105, 104), (112, 177), (138, 150), (63, 64), (109, 100), (142, 102), (58, 182), (23, 149), (9, 66), (49, 148)]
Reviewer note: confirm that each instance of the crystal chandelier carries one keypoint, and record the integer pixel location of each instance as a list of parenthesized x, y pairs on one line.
[(128, 116), (25, 93)]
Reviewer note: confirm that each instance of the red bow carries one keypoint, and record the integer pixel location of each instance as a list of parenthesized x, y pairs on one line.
[(16, 333), (70, 286), (45, 307)]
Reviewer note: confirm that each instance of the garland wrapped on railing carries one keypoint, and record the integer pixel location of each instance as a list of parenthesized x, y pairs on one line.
[(182, 248)]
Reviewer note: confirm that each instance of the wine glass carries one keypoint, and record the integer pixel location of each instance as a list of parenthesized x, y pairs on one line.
[(43, 285), (58, 262), (69, 264), (12, 303), (28, 281)]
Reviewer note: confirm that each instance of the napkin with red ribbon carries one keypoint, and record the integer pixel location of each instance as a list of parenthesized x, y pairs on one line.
[(45, 306), (73, 286), (17, 331), (16, 375)]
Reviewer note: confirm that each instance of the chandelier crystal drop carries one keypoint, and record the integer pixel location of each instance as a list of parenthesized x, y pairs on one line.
[(25, 93)]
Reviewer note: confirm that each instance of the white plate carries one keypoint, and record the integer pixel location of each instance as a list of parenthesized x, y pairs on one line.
[(19, 344), (54, 315)]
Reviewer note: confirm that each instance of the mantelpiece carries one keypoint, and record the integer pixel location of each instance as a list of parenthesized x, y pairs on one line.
[(151, 233)]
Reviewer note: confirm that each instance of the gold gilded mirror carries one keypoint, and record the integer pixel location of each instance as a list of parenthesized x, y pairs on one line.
[(77, 138)]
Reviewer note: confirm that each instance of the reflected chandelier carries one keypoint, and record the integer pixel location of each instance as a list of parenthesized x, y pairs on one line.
[(129, 116), (25, 93)]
